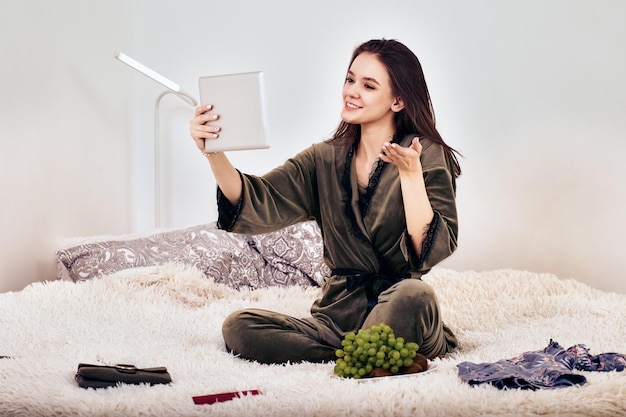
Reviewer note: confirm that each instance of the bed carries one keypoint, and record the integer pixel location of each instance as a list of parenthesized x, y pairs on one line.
[(159, 300)]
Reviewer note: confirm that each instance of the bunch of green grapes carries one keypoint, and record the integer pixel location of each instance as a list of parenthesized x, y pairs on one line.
[(376, 347)]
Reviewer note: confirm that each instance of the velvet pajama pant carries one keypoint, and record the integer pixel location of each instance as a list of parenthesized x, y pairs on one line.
[(410, 307)]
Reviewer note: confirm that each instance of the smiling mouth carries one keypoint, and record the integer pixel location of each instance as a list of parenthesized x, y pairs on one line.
[(352, 106)]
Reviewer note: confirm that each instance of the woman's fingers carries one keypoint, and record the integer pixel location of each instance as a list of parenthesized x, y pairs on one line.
[(416, 145), (200, 126), (203, 109), (405, 158), (391, 150)]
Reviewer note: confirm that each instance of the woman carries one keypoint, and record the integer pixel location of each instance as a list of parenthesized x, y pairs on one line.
[(382, 191)]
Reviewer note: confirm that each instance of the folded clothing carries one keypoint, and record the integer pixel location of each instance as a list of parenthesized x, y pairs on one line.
[(548, 368)]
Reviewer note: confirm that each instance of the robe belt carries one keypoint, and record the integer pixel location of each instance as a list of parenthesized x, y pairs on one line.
[(375, 283)]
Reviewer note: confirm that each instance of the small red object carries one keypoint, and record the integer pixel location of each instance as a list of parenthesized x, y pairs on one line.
[(224, 396)]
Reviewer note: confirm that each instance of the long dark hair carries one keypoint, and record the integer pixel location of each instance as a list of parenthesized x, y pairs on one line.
[(408, 82)]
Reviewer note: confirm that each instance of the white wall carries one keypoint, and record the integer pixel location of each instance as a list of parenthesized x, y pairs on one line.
[(531, 92), (64, 130)]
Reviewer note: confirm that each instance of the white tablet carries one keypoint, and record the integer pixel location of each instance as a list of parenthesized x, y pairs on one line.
[(239, 100)]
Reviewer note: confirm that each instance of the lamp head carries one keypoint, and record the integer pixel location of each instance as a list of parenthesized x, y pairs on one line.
[(150, 73)]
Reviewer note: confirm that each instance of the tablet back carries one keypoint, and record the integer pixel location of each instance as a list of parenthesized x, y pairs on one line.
[(239, 100)]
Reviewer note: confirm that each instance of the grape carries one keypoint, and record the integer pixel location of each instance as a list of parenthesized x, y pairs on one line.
[(377, 347)]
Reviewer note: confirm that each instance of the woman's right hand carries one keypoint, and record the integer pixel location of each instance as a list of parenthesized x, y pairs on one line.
[(201, 127)]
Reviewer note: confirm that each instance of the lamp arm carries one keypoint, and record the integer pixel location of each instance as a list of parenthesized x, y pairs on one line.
[(157, 149), (183, 96)]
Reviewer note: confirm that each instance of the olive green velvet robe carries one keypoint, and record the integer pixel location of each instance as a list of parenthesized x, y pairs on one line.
[(364, 236)]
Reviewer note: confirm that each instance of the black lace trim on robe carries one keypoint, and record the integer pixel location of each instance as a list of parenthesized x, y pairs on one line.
[(372, 185), (366, 199), (227, 213), (429, 238), (347, 197)]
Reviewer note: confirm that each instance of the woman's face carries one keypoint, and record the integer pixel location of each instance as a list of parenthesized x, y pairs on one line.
[(367, 94)]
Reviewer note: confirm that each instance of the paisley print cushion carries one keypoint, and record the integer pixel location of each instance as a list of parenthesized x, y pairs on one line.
[(290, 256)]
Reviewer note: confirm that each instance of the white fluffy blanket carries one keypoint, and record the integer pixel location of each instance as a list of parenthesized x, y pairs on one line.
[(171, 316)]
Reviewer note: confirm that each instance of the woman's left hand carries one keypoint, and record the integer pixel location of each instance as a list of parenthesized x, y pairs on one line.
[(406, 159)]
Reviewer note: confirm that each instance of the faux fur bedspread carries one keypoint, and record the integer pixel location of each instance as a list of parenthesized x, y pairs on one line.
[(171, 316)]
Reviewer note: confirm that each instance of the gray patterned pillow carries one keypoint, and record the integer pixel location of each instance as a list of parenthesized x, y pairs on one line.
[(290, 256)]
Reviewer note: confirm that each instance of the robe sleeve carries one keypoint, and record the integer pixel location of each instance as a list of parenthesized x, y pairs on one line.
[(282, 197), (441, 238)]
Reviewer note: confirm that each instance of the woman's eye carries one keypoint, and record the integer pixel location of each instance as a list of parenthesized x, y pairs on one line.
[(349, 80), (369, 86)]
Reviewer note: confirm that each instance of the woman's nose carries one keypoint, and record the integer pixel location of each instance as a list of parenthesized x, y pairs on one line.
[(352, 90)]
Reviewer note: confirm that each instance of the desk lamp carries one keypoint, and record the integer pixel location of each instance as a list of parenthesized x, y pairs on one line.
[(172, 88)]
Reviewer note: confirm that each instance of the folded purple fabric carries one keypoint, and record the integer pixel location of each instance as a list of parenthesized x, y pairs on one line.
[(548, 368)]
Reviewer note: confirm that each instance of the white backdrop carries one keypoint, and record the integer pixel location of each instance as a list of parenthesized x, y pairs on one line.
[(531, 92), (65, 121)]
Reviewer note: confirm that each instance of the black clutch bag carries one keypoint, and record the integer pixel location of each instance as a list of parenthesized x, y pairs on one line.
[(102, 376)]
